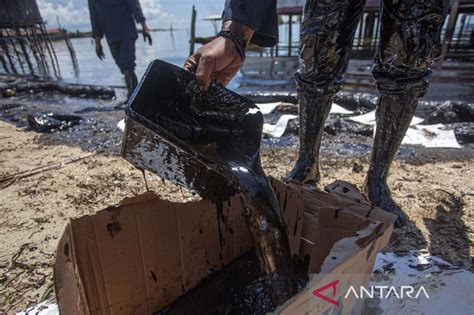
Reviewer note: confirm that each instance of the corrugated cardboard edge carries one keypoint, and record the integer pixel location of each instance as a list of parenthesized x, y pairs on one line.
[(356, 271), (70, 285), (84, 265), (66, 274), (67, 281), (355, 256)]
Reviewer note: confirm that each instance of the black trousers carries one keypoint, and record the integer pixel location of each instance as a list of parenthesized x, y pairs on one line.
[(409, 43), (123, 52)]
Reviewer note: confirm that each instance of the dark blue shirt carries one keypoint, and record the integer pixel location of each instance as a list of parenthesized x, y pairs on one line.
[(260, 15), (115, 18)]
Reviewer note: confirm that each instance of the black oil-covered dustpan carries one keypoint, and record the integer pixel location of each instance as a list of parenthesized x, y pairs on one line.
[(188, 136)]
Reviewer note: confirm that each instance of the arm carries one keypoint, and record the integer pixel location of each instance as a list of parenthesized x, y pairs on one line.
[(137, 14), (219, 59), (136, 10), (97, 31)]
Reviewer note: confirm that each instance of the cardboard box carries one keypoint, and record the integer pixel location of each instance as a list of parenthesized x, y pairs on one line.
[(139, 256)]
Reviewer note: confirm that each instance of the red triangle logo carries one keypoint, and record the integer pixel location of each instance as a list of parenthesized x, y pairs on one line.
[(326, 298)]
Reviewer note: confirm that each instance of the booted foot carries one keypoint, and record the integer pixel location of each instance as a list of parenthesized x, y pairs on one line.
[(304, 172), (380, 196)]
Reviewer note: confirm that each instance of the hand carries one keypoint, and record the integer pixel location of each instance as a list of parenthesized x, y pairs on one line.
[(146, 34), (218, 60), (98, 49)]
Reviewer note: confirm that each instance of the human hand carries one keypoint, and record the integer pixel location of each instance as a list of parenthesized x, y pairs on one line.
[(219, 59), (98, 49), (146, 34)]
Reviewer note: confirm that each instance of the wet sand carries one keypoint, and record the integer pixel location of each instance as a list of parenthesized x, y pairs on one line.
[(433, 186)]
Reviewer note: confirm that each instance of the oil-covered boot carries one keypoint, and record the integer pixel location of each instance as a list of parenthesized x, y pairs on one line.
[(131, 81), (394, 114), (313, 112)]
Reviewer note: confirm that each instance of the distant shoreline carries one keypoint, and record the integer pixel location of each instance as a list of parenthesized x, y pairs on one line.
[(87, 34)]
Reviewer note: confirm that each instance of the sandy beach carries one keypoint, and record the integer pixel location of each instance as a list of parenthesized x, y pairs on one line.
[(432, 187)]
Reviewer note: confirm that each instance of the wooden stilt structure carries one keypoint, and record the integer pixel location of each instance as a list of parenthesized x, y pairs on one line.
[(25, 45)]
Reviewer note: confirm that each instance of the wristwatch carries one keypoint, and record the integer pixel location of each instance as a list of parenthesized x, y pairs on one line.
[(239, 42)]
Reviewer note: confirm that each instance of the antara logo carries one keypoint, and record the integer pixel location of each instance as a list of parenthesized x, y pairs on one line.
[(331, 285), (328, 292)]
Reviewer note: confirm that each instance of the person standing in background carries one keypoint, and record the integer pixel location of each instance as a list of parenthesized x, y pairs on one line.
[(115, 19)]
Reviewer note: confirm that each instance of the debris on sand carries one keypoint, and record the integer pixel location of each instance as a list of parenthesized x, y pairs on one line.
[(450, 112), (22, 86), (49, 122)]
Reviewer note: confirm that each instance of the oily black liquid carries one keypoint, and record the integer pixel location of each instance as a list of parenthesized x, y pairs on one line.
[(240, 288), (229, 137), (210, 143)]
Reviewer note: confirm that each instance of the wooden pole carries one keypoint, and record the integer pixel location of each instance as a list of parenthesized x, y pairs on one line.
[(172, 36), (33, 48), (72, 52), (360, 36), (453, 15), (369, 30), (45, 39), (461, 32), (192, 41), (4, 64), (377, 31), (12, 39), (51, 50), (40, 51), (290, 30), (7, 53), (21, 41)]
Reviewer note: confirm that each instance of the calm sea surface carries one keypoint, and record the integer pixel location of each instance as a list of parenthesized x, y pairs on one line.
[(172, 48)]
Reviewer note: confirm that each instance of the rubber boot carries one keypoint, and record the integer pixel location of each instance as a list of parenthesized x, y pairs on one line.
[(131, 81), (313, 112), (394, 114)]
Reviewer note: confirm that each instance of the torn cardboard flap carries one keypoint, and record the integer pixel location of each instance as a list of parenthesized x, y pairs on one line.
[(140, 256)]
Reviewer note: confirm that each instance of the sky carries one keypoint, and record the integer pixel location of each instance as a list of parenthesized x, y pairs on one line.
[(74, 14)]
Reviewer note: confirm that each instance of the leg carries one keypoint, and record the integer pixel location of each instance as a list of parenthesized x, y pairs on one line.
[(123, 52), (127, 64), (409, 43), (115, 51), (131, 81), (327, 32)]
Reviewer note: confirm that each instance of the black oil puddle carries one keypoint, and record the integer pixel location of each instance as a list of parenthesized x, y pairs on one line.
[(15, 87), (96, 131), (240, 288)]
